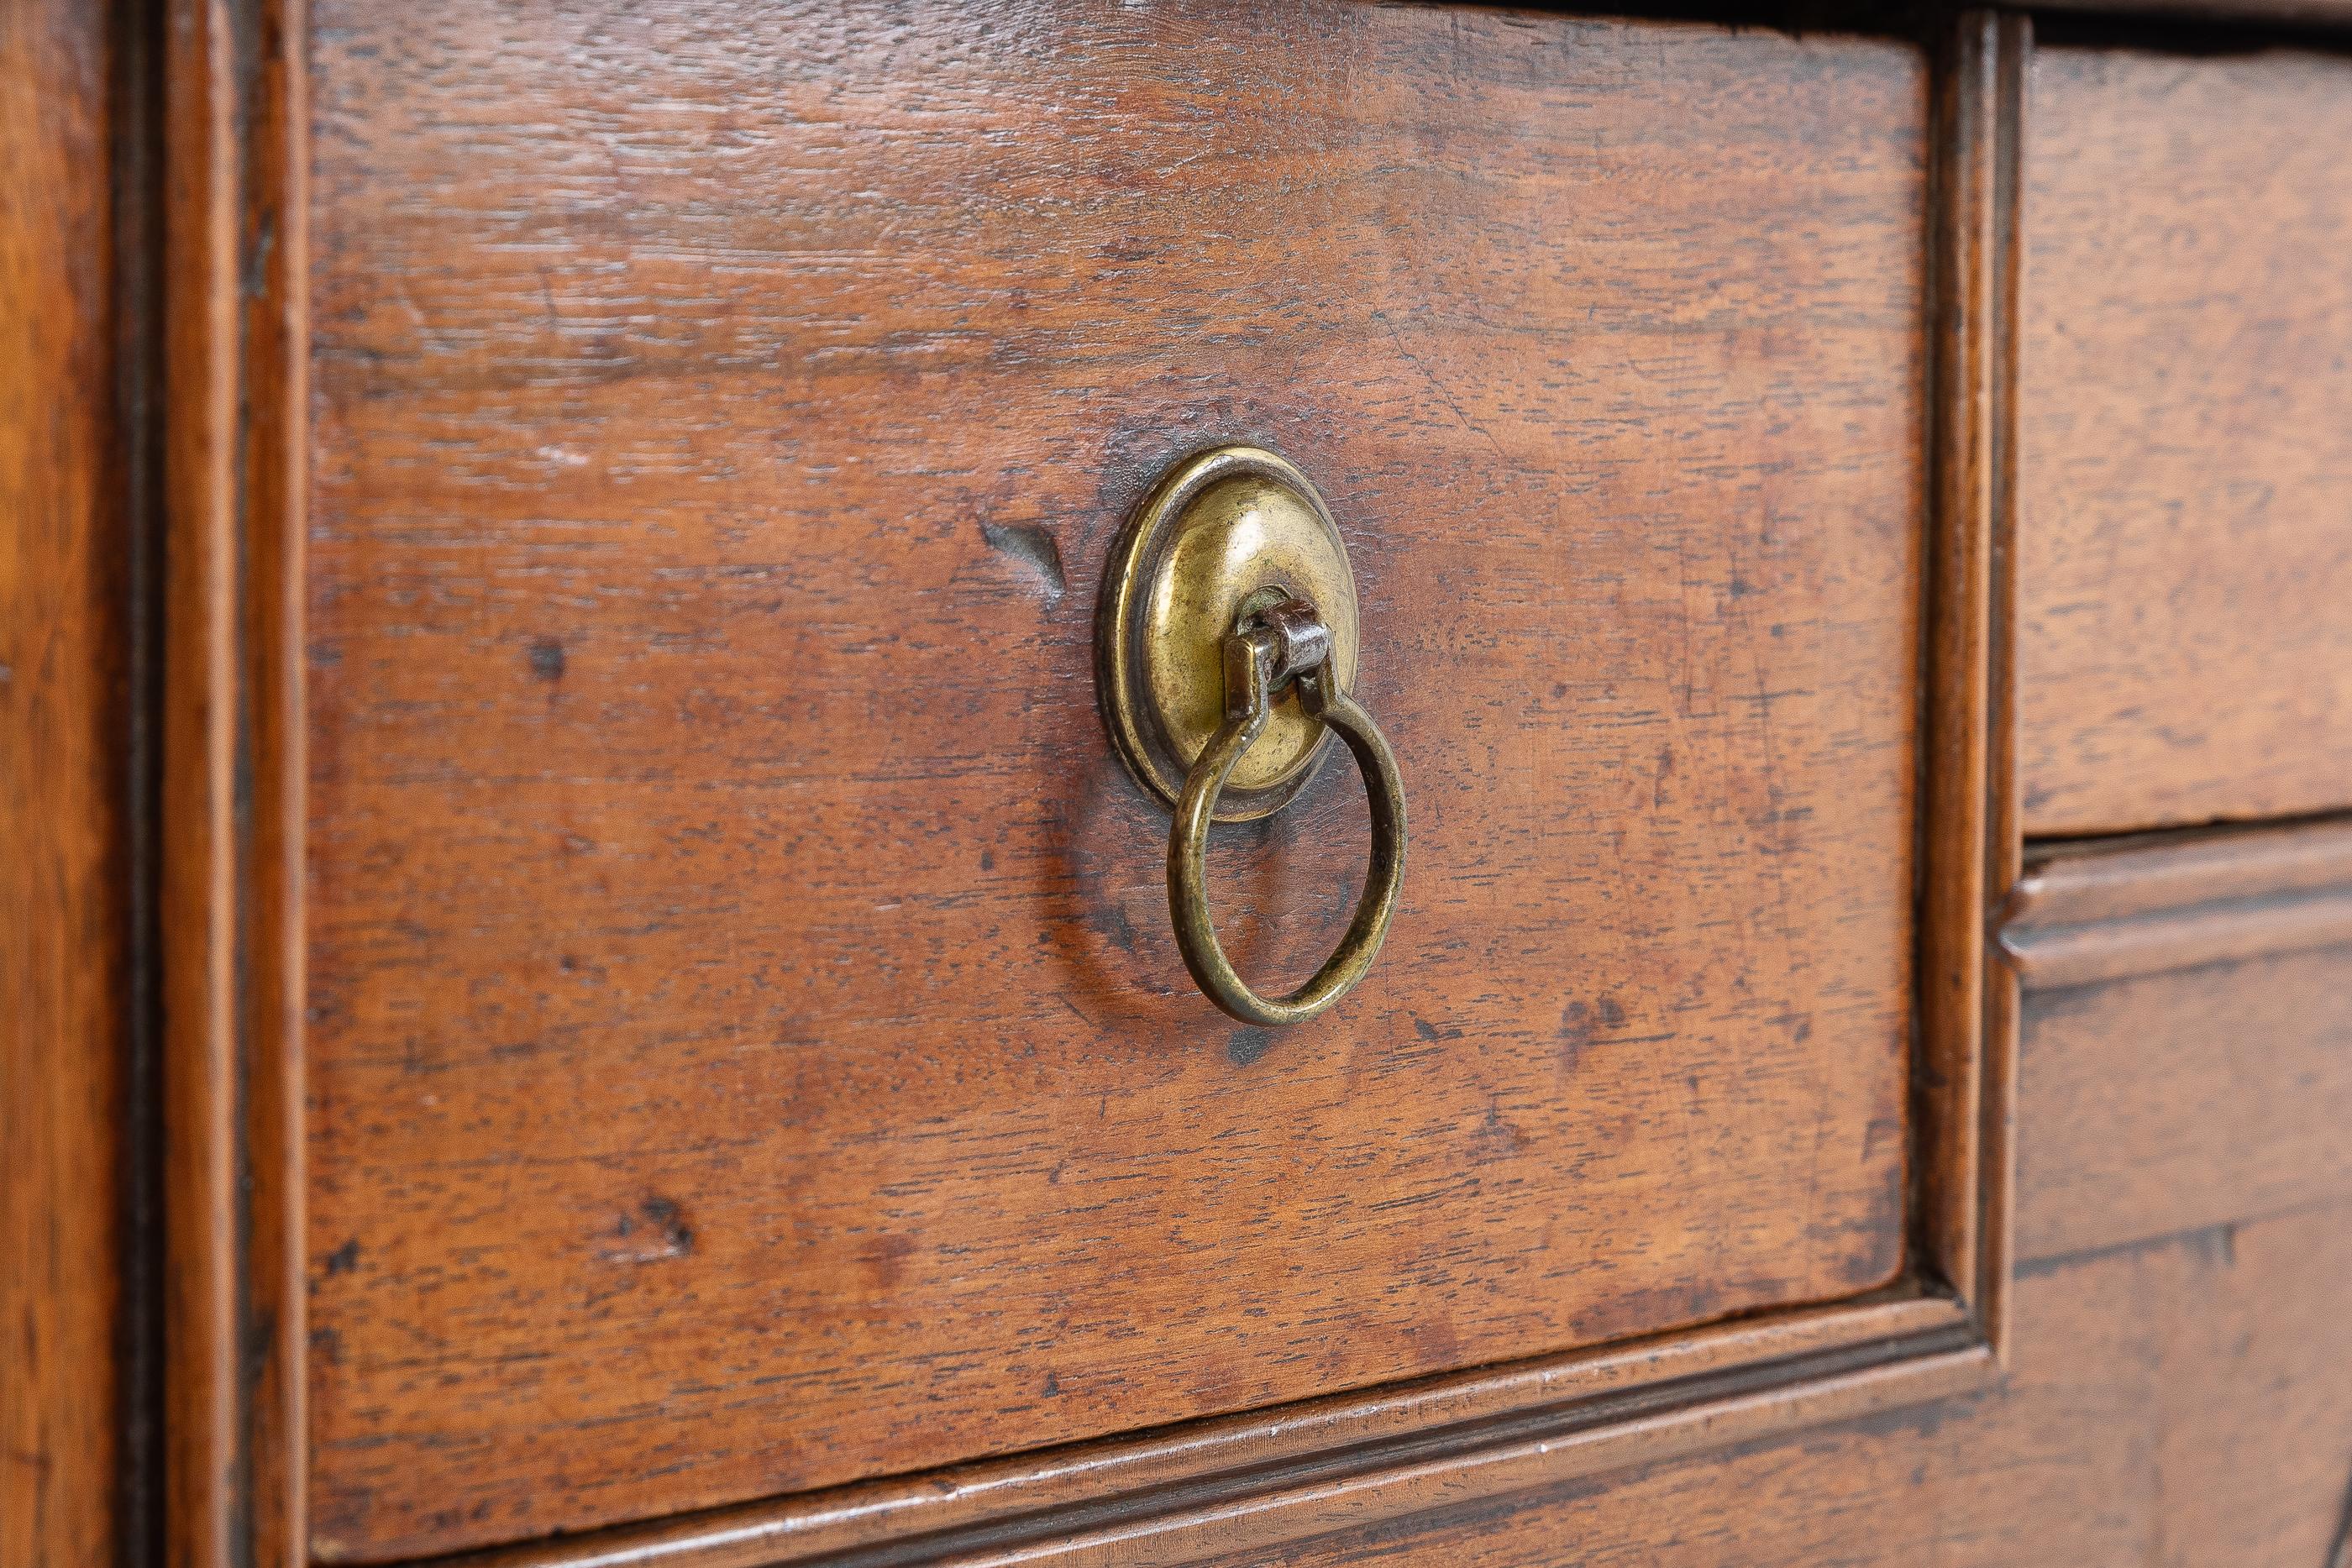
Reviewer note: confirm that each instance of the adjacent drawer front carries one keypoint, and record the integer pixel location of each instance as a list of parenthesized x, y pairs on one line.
[(2184, 457), (748, 1051), (2184, 1000)]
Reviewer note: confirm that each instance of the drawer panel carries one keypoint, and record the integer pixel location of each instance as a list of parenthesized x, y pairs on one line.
[(748, 1050), (2184, 463)]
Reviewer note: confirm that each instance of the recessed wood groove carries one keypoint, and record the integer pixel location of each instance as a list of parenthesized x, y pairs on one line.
[(1525, 1455), (1255, 1455)]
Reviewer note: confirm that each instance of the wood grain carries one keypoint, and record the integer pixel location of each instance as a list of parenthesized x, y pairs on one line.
[(2182, 1401), (2185, 645), (65, 776), (2177, 1348), (1159, 1498), (2206, 1077), (2178, 1387), (2207, 1094), (745, 1052)]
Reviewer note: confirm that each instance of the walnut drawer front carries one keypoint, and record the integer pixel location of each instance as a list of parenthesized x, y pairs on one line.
[(2184, 462), (746, 1047)]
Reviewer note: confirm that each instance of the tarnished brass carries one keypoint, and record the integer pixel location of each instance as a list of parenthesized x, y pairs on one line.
[(1226, 530), (1283, 645), (1227, 645)]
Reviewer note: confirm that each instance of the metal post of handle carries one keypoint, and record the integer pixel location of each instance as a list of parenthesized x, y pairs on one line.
[(1276, 647)]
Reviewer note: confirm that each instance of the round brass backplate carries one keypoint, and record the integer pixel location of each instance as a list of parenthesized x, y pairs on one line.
[(1222, 532)]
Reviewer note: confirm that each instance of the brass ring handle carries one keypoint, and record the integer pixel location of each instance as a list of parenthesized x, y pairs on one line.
[(1272, 648)]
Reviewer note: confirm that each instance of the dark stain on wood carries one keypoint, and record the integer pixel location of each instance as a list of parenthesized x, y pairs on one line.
[(1247, 1044), (657, 1230)]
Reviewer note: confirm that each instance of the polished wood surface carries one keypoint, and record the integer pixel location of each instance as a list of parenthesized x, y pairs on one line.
[(1271, 1476), (2210, 1094), (746, 1052), (670, 1051), (2178, 1388), (2180, 1402), (67, 1118), (2185, 638)]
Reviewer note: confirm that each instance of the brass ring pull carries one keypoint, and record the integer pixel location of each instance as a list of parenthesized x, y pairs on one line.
[(1272, 648)]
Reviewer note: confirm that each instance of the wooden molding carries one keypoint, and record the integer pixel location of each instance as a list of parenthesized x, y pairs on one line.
[(237, 443), (1964, 1106), (231, 886), (1349, 1457), (2170, 901)]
